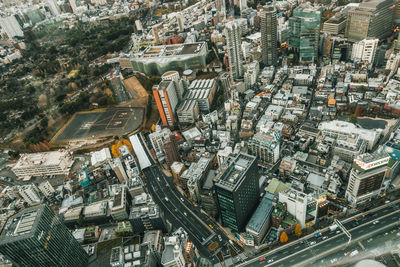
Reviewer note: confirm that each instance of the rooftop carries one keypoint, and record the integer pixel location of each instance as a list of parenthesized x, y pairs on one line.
[(235, 173), (21, 224), (42, 158), (171, 50), (262, 214)]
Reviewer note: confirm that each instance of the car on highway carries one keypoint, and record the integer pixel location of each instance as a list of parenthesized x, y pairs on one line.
[(313, 243), (166, 199), (185, 213), (211, 226), (263, 259), (270, 260), (219, 238), (317, 234), (375, 222), (393, 231), (370, 239), (202, 238), (338, 232), (324, 237), (353, 253), (182, 199), (347, 253), (333, 260)]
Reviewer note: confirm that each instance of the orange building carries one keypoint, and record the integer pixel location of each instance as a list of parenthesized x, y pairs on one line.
[(166, 98)]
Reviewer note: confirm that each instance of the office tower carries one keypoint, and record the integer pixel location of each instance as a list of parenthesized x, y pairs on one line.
[(365, 50), (237, 190), (370, 19), (167, 101), (36, 237), (11, 27), (265, 146), (268, 35), (366, 177), (232, 35), (304, 29), (54, 8), (171, 150)]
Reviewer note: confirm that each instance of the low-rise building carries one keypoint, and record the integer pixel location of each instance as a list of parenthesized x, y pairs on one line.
[(44, 163)]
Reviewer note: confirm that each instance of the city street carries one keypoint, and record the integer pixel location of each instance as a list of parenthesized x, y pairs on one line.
[(311, 247)]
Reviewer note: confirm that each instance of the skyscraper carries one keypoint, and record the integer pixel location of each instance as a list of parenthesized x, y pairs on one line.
[(11, 26), (304, 28), (167, 101), (36, 237), (237, 190), (54, 8), (233, 43), (268, 35), (370, 19)]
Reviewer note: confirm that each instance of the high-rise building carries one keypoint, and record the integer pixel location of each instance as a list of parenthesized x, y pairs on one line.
[(11, 27), (372, 18), (304, 28), (179, 86), (54, 8), (74, 5), (167, 101), (237, 190), (268, 35), (36, 237), (365, 50), (171, 150), (366, 177), (233, 43), (265, 146)]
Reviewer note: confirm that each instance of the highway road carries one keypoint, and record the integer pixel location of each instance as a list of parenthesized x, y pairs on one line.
[(181, 213), (313, 247)]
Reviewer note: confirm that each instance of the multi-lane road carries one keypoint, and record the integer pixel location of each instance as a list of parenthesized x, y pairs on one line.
[(180, 212), (311, 247)]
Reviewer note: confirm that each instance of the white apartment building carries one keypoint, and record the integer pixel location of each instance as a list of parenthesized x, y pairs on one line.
[(30, 193), (46, 188), (233, 43), (11, 26), (302, 206), (365, 50), (251, 74), (44, 163), (157, 138), (54, 8)]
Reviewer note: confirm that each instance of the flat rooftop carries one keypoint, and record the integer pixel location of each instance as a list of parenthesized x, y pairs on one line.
[(171, 50), (235, 172), (41, 159), (262, 214), (21, 225)]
